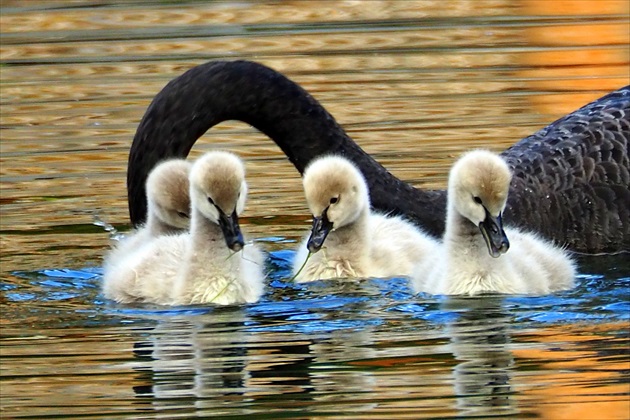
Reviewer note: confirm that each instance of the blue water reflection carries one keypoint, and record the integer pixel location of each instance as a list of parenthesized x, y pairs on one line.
[(306, 307)]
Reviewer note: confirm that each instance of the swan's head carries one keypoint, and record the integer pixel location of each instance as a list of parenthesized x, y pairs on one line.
[(478, 188), (218, 191), (168, 193), (336, 193)]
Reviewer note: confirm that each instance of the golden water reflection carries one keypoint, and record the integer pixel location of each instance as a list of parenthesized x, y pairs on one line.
[(414, 83), (214, 362)]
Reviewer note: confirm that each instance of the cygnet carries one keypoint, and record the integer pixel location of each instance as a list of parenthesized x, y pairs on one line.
[(167, 192), (477, 254), (210, 264), (347, 239)]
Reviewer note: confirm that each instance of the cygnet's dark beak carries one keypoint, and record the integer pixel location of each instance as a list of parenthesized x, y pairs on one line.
[(321, 227), (231, 231), (494, 235)]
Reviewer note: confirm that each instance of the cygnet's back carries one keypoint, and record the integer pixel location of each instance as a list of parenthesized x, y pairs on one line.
[(168, 208), (204, 265), (477, 254), (347, 239)]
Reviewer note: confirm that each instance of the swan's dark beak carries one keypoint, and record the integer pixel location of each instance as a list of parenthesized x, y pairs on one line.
[(231, 231), (494, 235), (321, 227)]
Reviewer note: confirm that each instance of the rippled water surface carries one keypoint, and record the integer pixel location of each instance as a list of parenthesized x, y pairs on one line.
[(415, 84)]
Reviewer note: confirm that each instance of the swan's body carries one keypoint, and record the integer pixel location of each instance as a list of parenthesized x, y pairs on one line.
[(168, 209), (470, 260), (354, 241), (200, 266), (571, 179)]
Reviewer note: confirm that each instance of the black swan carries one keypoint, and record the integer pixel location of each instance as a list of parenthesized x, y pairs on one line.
[(571, 178)]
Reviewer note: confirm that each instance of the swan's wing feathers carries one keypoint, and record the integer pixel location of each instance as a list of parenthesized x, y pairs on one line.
[(571, 179)]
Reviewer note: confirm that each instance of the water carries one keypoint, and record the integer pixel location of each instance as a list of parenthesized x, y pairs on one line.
[(414, 84)]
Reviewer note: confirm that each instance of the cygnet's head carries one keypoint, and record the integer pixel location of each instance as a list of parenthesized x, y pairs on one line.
[(336, 193), (218, 191), (168, 193), (478, 188)]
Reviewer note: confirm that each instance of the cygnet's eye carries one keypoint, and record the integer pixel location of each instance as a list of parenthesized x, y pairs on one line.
[(211, 201), (334, 200), (182, 215), (477, 200)]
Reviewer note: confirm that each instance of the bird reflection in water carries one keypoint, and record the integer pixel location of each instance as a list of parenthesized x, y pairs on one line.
[(480, 341)]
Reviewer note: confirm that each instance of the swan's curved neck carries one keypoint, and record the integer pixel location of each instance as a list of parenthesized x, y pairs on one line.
[(240, 90)]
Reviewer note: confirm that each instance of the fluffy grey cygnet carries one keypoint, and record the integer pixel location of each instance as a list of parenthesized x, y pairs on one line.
[(477, 254), (348, 239), (209, 264)]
